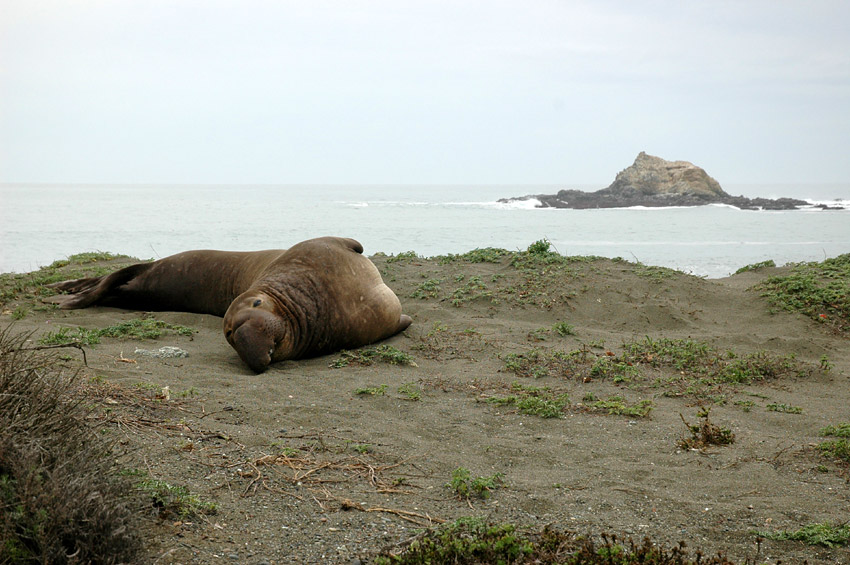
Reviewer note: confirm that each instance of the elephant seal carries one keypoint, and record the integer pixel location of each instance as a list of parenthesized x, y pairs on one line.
[(317, 297)]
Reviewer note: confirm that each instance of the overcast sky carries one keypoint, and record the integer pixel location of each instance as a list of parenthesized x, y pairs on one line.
[(404, 91)]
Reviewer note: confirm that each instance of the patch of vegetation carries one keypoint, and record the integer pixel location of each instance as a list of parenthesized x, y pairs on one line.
[(826, 534), (137, 328), (701, 366), (404, 256), (411, 391), (464, 486), (784, 408), (427, 289), (617, 406), (821, 291), (564, 329), (618, 371), (86, 257), (473, 289), (535, 401), (698, 369), (367, 356), (372, 390), (60, 495), (655, 274), (537, 363), (746, 405), (756, 266), (841, 430), (30, 286), (171, 500), (472, 541), (705, 433), (483, 255), (836, 448)]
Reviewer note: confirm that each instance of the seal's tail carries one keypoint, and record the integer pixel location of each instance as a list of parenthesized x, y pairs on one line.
[(82, 293)]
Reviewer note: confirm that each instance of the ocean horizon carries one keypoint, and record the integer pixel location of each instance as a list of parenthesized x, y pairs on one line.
[(42, 223)]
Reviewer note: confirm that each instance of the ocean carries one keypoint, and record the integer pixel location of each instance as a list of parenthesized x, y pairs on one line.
[(42, 223)]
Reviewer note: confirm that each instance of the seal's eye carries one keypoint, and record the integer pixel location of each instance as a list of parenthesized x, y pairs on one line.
[(257, 302), (228, 333)]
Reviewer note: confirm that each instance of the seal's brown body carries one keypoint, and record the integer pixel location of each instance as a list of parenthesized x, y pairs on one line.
[(319, 296)]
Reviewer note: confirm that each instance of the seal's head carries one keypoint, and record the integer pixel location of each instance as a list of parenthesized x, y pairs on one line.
[(254, 329)]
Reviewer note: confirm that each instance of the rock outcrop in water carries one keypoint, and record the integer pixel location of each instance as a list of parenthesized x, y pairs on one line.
[(655, 182)]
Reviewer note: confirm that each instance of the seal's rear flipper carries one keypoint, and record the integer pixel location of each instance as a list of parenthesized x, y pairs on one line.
[(403, 322), (83, 293)]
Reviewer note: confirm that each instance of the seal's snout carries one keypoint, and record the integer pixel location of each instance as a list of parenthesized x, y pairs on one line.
[(254, 345)]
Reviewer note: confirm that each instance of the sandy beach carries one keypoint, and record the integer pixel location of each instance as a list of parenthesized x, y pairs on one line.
[(552, 377)]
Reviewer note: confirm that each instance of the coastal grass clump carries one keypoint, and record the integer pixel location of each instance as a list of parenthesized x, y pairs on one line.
[(170, 501), (367, 356), (820, 290), (825, 534), (136, 328), (700, 368), (681, 367), (474, 541), (472, 289), (770, 263), (537, 363), (534, 401), (61, 497), (839, 447), (32, 286), (427, 289), (618, 406), (465, 486), (478, 255)]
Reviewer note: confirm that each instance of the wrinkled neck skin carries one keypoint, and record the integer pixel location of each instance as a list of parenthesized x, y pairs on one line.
[(265, 326)]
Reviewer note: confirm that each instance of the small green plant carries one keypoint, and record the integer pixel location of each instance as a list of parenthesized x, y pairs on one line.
[(538, 335), (705, 433), (617, 406), (362, 448), (836, 449), (410, 391), (653, 273), (618, 371), (472, 541), (372, 390), (841, 430), (137, 328), (826, 534), (821, 291), (464, 486), (175, 500), (67, 335), (564, 329), (825, 365), (404, 256), (756, 266), (427, 289), (746, 405), (785, 408), (534, 401), (384, 353)]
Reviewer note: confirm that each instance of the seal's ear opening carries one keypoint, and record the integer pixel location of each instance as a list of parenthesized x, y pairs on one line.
[(254, 346)]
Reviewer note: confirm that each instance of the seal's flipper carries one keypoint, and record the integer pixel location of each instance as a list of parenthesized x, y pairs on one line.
[(403, 322), (87, 292)]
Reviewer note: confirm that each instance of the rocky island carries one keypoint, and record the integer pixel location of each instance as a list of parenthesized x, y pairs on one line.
[(655, 182)]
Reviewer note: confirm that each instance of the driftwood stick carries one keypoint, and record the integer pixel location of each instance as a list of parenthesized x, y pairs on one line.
[(57, 346)]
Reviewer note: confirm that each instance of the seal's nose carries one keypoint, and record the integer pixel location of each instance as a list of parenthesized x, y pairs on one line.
[(253, 345)]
